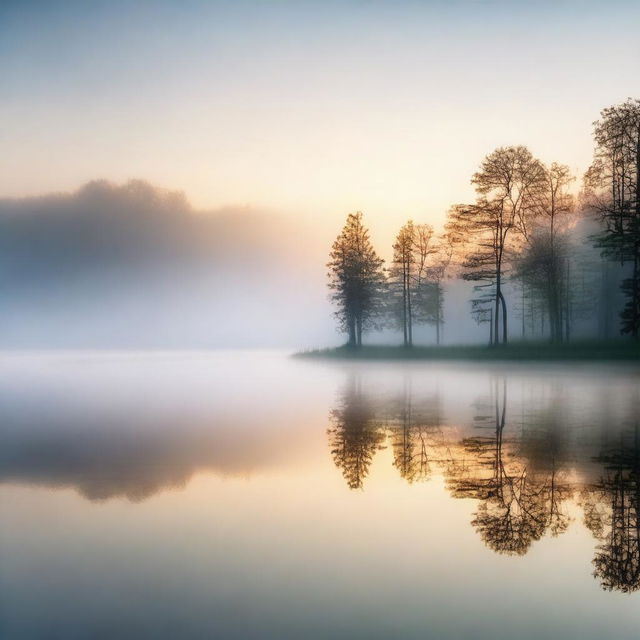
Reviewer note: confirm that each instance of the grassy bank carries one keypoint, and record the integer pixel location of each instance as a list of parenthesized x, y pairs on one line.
[(619, 350)]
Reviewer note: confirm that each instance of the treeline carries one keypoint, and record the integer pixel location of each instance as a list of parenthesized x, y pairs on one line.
[(558, 257)]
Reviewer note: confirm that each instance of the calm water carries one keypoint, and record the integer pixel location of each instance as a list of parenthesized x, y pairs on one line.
[(249, 495)]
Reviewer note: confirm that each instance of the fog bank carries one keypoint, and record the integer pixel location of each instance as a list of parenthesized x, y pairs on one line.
[(134, 265)]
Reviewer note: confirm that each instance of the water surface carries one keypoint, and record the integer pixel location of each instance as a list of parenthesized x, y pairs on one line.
[(251, 495)]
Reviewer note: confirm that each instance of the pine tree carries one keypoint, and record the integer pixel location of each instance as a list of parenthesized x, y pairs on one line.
[(356, 280)]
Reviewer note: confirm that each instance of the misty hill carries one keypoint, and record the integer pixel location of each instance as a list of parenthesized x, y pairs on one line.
[(134, 265)]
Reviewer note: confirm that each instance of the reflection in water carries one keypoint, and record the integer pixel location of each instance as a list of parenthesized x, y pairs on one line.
[(354, 435), (104, 460), (523, 465), (510, 513), (196, 492), (611, 508), (528, 452), (415, 433)]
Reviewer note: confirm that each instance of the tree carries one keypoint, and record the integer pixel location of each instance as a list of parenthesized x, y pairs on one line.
[(543, 266), (508, 184), (482, 307), (543, 271), (402, 280), (556, 204), (612, 186), (415, 277), (436, 271), (356, 280)]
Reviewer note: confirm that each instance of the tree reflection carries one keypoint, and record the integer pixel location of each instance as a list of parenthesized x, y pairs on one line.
[(509, 516), (545, 447), (413, 430), (522, 465), (520, 479), (354, 434), (612, 508)]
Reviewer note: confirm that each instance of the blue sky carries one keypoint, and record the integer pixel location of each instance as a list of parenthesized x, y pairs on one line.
[(313, 108)]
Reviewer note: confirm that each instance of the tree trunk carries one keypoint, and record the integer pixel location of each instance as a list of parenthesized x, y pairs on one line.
[(409, 318), (491, 329), (437, 313), (560, 314), (552, 308), (636, 243), (605, 307), (555, 310), (523, 310), (352, 332), (504, 319), (635, 303), (496, 315), (567, 311), (404, 306)]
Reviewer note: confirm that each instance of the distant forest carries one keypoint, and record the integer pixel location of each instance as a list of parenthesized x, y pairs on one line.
[(541, 257)]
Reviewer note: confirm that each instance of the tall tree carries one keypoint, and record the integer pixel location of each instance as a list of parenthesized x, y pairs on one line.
[(543, 270), (356, 280), (419, 266), (402, 280), (436, 271), (612, 185), (556, 204), (543, 265), (508, 185)]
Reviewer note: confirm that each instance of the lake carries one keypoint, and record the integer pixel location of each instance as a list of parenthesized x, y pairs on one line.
[(251, 495)]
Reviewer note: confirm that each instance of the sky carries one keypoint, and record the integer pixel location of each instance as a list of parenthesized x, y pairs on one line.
[(312, 109)]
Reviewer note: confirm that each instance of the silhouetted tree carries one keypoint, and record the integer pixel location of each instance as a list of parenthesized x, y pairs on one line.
[(508, 184), (543, 270), (545, 259), (418, 268), (612, 184), (402, 280), (436, 271), (482, 306), (356, 280)]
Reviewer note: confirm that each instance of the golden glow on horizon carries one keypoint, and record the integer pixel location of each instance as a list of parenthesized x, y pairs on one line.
[(309, 111)]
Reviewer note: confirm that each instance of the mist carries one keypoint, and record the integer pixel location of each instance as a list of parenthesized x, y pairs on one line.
[(136, 266)]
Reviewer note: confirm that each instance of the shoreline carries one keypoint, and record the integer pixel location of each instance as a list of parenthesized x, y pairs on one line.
[(587, 351)]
